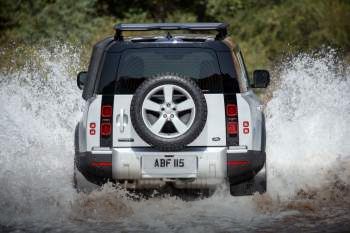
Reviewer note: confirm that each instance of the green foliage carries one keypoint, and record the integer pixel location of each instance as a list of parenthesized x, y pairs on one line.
[(269, 29), (265, 29), (36, 20)]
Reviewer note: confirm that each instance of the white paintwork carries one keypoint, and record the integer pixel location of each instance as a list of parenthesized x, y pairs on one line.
[(216, 123), (250, 109), (215, 126), (256, 114), (93, 115), (244, 115), (122, 106)]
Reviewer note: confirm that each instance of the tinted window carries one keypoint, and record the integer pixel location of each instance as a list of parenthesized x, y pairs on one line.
[(202, 65), (188, 62)]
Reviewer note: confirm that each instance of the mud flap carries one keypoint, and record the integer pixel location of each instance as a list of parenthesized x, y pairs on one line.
[(255, 185), (81, 184)]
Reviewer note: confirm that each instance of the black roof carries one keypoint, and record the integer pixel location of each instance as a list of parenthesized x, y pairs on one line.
[(221, 28)]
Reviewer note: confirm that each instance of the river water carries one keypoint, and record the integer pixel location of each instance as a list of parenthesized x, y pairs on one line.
[(308, 158)]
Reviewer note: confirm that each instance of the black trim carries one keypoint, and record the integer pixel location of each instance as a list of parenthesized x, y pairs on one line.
[(231, 140), (96, 175), (95, 65), (239, 173), (263, 133), (107, 141), (109, 45), (221, 28)]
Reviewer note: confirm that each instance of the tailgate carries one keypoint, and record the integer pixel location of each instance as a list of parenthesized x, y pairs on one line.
[(213, 134)]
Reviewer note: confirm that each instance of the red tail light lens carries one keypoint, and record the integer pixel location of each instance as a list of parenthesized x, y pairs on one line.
[(107, 111), (231, 110), (232, 127), (101, 164), (106, 129), (238, 162)]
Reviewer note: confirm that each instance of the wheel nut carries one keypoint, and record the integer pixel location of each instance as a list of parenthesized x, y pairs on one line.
[(164, 115), (171, 115)]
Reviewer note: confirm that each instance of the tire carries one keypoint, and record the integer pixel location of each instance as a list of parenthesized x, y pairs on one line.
[(163, 143)]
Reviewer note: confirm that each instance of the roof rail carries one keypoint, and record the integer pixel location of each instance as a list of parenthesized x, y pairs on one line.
[(221, 28)]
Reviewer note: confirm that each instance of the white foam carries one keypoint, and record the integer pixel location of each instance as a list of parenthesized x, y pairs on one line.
[(308, 123), (40, 106)]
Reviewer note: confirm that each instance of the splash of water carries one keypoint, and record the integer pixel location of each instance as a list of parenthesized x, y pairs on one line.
[(307, 129), (308, 122), (39, 107)]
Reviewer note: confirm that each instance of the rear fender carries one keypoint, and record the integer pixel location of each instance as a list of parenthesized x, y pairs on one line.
[(251, 121), (89, 134)]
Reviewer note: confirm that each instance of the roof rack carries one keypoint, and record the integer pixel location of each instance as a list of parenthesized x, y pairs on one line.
[(221, 28)]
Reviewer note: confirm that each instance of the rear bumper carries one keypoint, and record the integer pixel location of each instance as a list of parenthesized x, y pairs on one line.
[(215, 165), (244, 166)]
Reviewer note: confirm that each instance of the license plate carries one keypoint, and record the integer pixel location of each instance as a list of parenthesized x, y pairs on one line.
[(169, 166)]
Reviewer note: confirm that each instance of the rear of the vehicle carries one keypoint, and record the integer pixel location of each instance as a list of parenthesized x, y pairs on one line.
[(171, 111)]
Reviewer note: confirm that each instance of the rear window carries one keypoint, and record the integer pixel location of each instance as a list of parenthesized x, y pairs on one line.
[(201, 65)]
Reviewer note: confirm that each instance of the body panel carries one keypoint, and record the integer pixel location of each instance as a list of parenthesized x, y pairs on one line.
[(257, 125), (93, 117)]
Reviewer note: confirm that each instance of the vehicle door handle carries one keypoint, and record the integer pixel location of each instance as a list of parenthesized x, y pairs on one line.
[(122, 120)]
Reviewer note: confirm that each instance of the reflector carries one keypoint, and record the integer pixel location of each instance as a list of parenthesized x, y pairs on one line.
[(92, 132), (238, 162), (101, 164)]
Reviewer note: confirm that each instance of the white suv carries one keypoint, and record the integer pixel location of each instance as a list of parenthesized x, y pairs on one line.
[(174, 110)]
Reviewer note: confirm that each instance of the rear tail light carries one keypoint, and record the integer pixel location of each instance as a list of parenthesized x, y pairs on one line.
[(232, 128), (101, 164), (237, 162), (107, 111), (231, 114), (231, 110), (106, 121), (106, 129)]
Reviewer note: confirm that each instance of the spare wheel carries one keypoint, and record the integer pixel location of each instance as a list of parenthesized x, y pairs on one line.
[(168, 112)]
